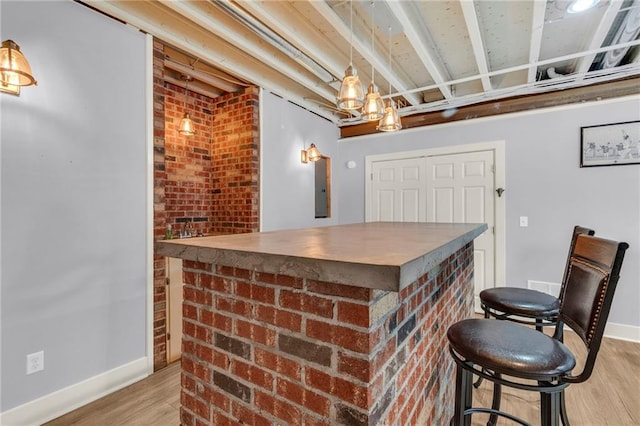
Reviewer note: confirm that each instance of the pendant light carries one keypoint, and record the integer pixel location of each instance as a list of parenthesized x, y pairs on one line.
[(390, 122), (186, 127), (373, 108), (351, 95), (14, 67)]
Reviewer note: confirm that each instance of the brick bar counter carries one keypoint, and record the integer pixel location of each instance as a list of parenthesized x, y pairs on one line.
[(340, 325)]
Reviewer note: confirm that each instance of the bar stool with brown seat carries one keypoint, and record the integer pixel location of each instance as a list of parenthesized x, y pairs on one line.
[(524, 305), (509, 354), (529, 307)]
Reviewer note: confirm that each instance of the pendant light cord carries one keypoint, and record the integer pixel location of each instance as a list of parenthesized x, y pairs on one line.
[(373, 49), (351, 31), (390, 70)]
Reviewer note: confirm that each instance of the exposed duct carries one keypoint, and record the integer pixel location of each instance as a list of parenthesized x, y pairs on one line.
[(275, 40), (628, 30)]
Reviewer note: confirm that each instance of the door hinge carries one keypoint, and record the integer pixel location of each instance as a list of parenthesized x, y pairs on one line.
[(167, 281), (371, 176), (493, 168), (168, 336), (493, 229)]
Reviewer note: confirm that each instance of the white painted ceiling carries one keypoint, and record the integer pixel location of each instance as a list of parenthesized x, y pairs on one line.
[(444, 54)]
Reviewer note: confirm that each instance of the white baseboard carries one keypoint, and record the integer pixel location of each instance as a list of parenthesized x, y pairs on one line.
[(622, 332), (60, 402)]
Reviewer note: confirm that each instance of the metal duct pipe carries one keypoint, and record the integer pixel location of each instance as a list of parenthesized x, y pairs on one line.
[(275, 40), (202, 76), (628, 31)]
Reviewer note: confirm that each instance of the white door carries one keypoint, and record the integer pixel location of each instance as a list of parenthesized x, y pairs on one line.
[(460, 189), (442, 188), (398, 191)]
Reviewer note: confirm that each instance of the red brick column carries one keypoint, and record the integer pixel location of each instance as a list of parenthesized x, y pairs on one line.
[(262, 348), (159, 216)]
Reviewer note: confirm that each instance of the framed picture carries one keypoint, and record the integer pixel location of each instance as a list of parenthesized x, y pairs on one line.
[(610, 144)]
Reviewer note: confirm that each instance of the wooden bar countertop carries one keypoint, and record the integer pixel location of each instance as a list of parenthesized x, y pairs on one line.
[(379, 255)]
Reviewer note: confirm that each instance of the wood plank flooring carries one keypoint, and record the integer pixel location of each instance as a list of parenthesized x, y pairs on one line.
[(611, 397), (152, 401)]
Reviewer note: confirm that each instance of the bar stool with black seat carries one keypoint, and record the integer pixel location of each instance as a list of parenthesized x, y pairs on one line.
[(527, 306), (510, 354)]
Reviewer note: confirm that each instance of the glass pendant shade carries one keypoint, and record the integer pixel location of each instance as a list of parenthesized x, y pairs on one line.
[(313, 154), (14, 67), (390, 122), (186, 126), (373, 108), (351, 95)]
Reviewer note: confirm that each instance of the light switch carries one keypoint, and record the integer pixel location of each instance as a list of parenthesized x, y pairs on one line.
[(524, 221)]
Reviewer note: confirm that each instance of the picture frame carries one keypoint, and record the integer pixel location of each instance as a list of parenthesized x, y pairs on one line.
[(613, 144)]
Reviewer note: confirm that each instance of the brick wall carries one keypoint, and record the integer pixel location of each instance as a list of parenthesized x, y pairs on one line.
[(209, 180), (265, 349), (189, 183), (235, 162)]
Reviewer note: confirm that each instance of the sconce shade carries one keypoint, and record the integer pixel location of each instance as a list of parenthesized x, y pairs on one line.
[(351, 95), (390, 122), (313, 154), (14, 67), (373, 108), (186, 126)]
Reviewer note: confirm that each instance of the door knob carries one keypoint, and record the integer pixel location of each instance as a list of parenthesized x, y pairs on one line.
[(500, 191)]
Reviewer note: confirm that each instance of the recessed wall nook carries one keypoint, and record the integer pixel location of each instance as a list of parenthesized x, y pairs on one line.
[(206, 183)]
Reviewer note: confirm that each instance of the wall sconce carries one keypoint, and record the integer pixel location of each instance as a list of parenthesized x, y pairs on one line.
[(312, 154), (15, 70)]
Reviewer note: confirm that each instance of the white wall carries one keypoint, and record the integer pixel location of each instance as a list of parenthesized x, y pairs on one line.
[(543, 181), (73, 200), (287, 192)]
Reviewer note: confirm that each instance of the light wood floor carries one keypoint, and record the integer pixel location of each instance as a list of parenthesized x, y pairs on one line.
[(610, 397)]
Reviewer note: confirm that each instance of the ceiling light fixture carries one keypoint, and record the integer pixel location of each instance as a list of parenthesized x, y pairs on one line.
[(373, 108), (186, 127), (14, 67), (390, 122), (312, 154), (577, 6), (351, 95)]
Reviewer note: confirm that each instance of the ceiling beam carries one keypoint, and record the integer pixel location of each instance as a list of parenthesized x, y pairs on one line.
[(537, 25), (211, 49), (202, 76), (593, 93), (193, 87), (439, 76), (201, 14), (471, 20)]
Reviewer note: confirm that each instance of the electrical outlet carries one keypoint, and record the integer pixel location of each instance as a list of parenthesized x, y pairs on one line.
[(524, 221), (35, 362)]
